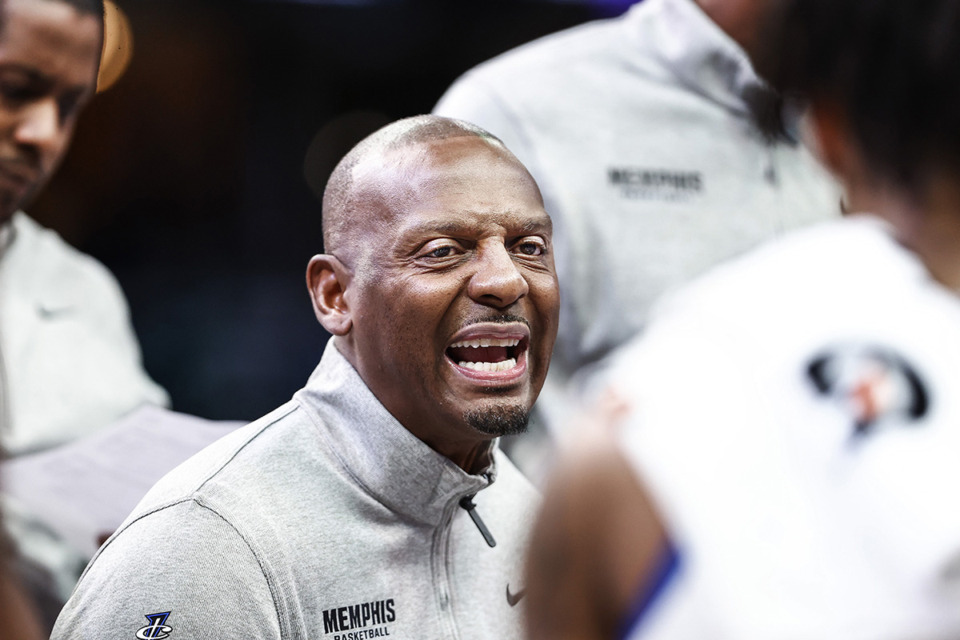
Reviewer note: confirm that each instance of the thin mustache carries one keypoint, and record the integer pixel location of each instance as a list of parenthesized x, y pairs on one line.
[(22, 168), (499, 319), (19, 160)]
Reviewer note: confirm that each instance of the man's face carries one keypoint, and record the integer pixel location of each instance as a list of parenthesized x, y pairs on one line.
[(454, 297), (48, 68)]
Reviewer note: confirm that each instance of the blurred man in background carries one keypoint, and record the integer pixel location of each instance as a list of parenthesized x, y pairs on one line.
[(19, 619), (791, 422), (69, 360), (660, 153)]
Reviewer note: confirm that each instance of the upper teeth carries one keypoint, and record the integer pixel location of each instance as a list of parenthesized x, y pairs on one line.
[(487, 342)]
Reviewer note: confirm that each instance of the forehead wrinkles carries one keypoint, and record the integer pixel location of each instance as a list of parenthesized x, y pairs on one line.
[(402, 177), (394, 182), (52, 37)]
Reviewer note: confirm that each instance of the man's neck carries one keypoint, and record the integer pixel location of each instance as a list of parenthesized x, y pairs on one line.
[(739, 19), (472, 457), (928, 226)]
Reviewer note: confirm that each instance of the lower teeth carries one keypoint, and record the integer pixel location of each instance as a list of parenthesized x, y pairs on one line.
[(505, 365)]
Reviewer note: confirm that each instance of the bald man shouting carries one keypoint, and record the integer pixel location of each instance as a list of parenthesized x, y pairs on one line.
[(375, 503)]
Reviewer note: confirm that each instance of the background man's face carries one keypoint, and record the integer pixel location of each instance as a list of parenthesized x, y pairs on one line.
[(458, 256), (48, 68)]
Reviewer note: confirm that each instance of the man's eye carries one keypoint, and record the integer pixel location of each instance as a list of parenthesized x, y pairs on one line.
[(16, 91), (16, 85), (531, 248), (440, 252)]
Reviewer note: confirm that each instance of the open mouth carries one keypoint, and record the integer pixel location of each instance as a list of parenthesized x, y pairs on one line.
[(488, 354)]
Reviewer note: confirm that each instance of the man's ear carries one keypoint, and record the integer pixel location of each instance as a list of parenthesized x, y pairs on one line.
[(830, 132), (327, 280)]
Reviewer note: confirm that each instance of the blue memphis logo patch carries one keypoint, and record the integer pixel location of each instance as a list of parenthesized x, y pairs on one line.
[(157, 629)]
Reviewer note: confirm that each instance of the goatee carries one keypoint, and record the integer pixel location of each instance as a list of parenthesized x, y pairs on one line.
[(499, 421)]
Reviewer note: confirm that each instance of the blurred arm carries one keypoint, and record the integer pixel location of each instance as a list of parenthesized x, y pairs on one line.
[(597, 544), (18, 619)]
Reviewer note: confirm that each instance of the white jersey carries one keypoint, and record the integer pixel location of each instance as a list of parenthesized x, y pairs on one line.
[(796, 416)]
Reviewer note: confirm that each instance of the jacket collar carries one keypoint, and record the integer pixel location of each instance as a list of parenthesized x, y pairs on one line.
[(32, 263), (8, 231), (6, 237), (381, 455), (698, 52)]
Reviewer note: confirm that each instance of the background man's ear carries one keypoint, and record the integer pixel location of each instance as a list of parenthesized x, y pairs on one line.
[(830, 134), (327, 280)]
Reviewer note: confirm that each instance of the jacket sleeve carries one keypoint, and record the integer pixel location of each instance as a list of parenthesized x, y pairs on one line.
[(182, 571)]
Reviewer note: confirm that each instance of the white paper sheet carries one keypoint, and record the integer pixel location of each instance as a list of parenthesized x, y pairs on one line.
[(85, 489)]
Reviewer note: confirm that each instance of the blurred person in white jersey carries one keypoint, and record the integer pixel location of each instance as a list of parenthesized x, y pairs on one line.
[(660, 152), (781, 450)]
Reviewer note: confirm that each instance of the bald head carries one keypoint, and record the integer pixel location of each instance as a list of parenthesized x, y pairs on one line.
[(356, 190)]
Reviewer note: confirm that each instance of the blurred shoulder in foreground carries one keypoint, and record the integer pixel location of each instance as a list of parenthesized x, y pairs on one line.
[(791, 415)]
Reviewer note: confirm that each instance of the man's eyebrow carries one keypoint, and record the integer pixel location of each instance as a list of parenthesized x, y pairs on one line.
[(33, 75), (43, 81), (457, 226), (544, 223), (444, 227)]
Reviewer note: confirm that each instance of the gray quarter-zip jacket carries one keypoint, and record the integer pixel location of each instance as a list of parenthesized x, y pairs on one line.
[(325, 519)]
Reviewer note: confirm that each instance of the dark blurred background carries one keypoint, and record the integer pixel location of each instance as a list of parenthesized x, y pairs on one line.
[(195, 178)]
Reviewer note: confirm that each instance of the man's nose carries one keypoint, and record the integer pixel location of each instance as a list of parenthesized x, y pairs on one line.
[(39, 124), (497, 281)]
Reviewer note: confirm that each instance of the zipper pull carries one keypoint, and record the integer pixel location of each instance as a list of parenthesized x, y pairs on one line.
[(466, 502)]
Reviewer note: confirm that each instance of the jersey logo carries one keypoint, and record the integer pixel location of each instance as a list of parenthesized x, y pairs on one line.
[(874, 384), (49, 312), (157, 629), (514, 598), (639, 183)]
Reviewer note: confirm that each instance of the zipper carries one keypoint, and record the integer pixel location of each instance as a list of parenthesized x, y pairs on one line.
[(440, 560), (771, 172), (7, 233), (466, 503), (4, 400)]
